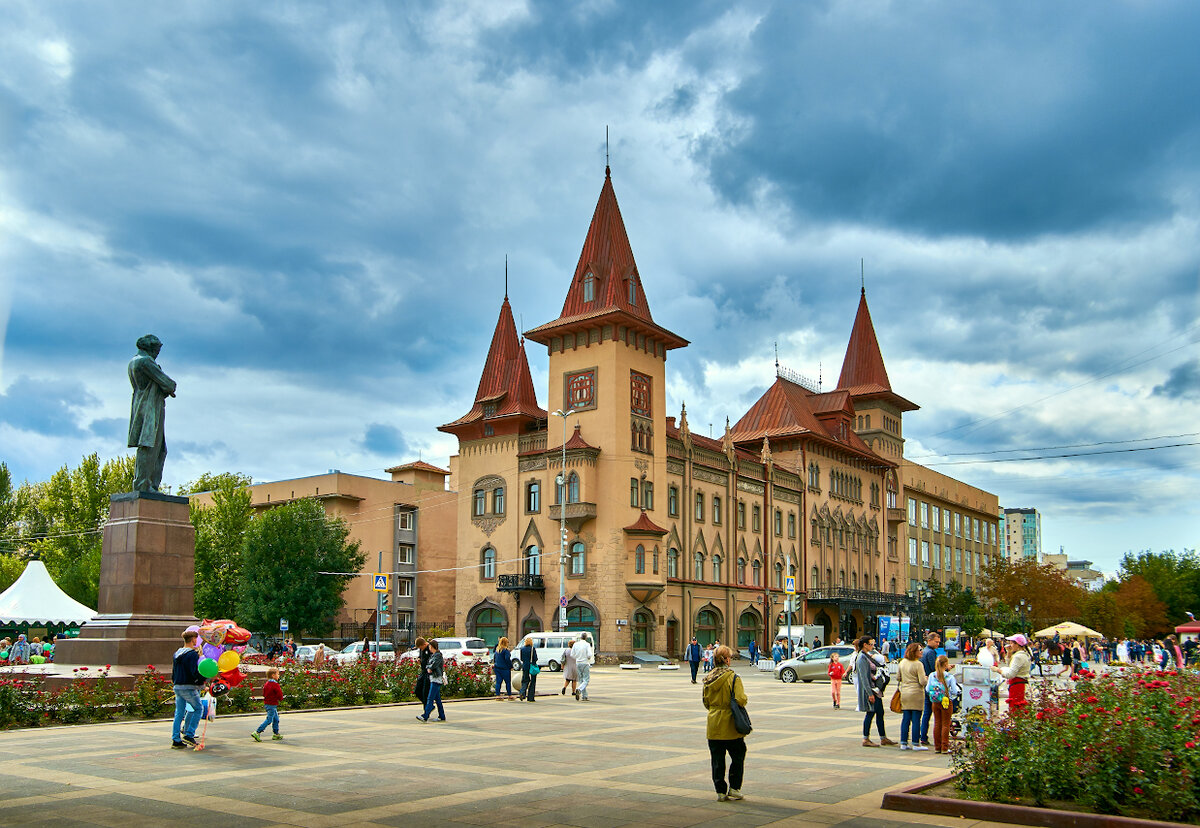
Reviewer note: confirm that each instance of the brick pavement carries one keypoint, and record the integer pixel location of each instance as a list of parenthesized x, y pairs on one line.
[(634, 755)]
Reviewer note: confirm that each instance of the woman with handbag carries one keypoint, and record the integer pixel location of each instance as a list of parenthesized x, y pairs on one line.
[(872, 678), (529, 670), (912, 680), (722, 688)]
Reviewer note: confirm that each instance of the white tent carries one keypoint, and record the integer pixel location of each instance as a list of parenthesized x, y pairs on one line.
[(36, 599)]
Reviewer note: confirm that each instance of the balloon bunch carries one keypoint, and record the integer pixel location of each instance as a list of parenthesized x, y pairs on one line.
[(224, 643)]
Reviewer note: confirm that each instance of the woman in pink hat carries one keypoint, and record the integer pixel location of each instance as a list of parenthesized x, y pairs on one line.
[(1017, 671)]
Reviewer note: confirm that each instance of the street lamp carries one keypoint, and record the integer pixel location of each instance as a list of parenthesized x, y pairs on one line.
[(562, 526), (1024, 607)]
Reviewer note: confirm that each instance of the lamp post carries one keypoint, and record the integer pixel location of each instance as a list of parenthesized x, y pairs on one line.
[(1024, 607), (562, 526)]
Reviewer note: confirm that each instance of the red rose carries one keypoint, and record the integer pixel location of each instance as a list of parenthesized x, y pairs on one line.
[(1138, 790)]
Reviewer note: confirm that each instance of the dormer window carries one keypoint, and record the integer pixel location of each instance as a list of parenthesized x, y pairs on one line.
[(489, 409), (633, 290), (589, 287)]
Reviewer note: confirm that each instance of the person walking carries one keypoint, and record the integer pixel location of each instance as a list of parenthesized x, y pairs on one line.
[(720, 686), (929, 655), (912, 679), (692, 656), (584, 654), (570, 674), (186, 682), (272, 698), (1017, 672), (872, 678), (319, 657), (777, 652), (421, 691), (529, 669), (502, 667), (708, 655), (942, 690), (835, 671), (437, 677), (753, 648)]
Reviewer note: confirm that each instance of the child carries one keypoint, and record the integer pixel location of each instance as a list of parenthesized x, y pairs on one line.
[(836, 671), (272, 696), (942, 689)]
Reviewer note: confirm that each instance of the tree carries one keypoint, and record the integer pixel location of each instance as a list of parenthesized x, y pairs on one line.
[(1100, 612), (1174, 577), (973, 622), (1139, 608), (286, 550), (220, 538), (1052, 596)]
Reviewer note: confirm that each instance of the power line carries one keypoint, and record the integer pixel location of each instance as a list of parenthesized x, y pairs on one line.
[(1055, 448), (1060, 456)]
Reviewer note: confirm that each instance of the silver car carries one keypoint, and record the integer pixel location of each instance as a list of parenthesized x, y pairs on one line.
[(813, 666)]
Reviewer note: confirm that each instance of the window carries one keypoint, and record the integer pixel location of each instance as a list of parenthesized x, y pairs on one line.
[(572, 488), (924, 515), (699, 511), (912, 512), (791, 524), (635, 489), (708, 627), (404, 587), (404, 521), (756, 569), (716, 509), (937, 552), (498, 500), (639, 394), (891, 500), (925, 554), (778, 523), (639, 560), (958, 560), (957, 525), (912, 550), (581, 389), (489, 563), (967, 562), (656, 560), (717, 568), (877, 583), (946, 521), (949, 559), (937, 523), (976, 522), (757, 518), (778, 575), (829, 577), (533, 561), (698, 569), (589, 287), (633, 290), (404, 553), (672, 563), (578, 558), (533, 496), (480, 508), (842, 578), (893, 585), (814, 579), (672, 501), (741, 512), (854, 580), (648, 496), (741, 570)]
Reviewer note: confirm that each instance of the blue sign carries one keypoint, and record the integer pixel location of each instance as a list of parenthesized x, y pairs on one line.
[(885, 627), (283, 625)]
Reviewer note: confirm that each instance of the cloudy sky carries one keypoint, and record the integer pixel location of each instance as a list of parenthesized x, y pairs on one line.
[(311, 204)]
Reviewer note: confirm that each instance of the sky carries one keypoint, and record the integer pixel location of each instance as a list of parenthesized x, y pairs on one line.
[(311, 204)]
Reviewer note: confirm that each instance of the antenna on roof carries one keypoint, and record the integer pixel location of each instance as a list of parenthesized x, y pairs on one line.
[(506, 276), (607, 172), (776, 358), (862, 263), (819, 379)]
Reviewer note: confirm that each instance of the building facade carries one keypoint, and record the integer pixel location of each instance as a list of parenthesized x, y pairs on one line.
[(410, 520), (1022, 532)]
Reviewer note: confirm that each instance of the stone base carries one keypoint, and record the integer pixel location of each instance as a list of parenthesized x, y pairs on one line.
[(133, 641)]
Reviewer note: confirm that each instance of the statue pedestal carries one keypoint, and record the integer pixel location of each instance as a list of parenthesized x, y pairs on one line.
[(147, 575)]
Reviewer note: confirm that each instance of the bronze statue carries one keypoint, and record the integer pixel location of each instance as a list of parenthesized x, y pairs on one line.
[(151, 387)]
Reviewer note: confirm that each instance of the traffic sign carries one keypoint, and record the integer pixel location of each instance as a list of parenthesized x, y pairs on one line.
[(562, 602), (789, 585), (381, 582), (283, 625), (562, 618)]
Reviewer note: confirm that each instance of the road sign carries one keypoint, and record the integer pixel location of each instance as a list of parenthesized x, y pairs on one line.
[(789, 585), (562, 602), (562, 618), (283, 625), (381, 582)]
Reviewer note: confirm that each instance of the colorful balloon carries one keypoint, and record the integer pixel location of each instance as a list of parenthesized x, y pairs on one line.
[(212, 651), (232, 677), (228, 661), (208, 668), (223, 631), (3, 655), (218, 688)]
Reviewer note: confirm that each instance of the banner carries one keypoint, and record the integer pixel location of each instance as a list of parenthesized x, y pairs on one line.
[(885, 628), (951, 640), (905, 628)]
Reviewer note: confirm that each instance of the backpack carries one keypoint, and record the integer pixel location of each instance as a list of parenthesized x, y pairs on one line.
[(935, 690)]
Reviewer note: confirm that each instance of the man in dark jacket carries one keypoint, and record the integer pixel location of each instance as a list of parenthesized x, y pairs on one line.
[(692, 656), (929, 661), (186, 678), (423, 654)]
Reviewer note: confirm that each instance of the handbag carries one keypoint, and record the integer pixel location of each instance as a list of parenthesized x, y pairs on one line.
[(741, 719), (896, 706)]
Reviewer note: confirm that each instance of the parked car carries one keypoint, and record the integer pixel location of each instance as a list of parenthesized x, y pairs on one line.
[(812, 666), (306, 652), (549, 646), (386, 652), (460, 650)]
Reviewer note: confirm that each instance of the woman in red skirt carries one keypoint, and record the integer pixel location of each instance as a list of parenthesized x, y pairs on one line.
[(1017, 671)]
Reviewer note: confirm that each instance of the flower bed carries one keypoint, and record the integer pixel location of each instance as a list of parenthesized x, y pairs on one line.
[(1125, 743), (93, 697)]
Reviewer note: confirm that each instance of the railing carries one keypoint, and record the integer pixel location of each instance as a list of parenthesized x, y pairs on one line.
[(576, 513), (532, 442), (862, 596), (515, 583)]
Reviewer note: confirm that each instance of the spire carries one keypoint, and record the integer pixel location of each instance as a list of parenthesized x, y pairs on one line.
[(506, 386), (863, 372)]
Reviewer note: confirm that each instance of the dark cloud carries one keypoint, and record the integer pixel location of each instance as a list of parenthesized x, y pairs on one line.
[(385, 440), (1182, 383), (44, 406)]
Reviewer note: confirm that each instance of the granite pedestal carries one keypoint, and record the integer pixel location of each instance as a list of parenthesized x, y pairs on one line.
[(147, 575)]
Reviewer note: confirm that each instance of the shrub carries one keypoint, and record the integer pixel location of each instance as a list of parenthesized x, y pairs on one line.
[(152, 694)]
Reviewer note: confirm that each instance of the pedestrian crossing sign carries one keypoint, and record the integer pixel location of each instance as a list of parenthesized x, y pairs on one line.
[(381, 582), (789, 585)]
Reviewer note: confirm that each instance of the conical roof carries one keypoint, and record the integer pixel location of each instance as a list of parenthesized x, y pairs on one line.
[(863, 372), (35, 599), (506, 382)]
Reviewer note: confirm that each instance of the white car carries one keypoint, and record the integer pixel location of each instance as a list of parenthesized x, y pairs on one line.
[(465, 650), (386, 652), (305, 653)]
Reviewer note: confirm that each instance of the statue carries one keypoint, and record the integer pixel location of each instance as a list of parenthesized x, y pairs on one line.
[(151, 387)]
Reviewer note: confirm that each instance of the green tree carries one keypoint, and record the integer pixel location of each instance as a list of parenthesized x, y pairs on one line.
[(973, 621), (63, 520), (286, 550), (220, 538), (1175, 578)]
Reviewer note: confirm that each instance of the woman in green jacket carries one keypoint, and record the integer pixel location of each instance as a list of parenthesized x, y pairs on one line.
[(723, 737)]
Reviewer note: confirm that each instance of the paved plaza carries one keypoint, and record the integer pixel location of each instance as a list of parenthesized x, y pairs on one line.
[(634, 755)]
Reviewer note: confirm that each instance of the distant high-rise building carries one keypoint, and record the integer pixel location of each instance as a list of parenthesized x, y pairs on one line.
[(1022, 533)]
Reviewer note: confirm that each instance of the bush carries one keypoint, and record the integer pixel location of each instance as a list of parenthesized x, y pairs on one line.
[(152, 694), (1126, 743)]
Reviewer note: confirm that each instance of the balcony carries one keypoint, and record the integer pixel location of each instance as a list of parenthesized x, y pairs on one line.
[(518, 583), (896, 515), (867, 597), (576, 515)]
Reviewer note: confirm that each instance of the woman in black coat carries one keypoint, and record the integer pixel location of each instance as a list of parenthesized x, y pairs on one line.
[(423, 654), (528, 679)]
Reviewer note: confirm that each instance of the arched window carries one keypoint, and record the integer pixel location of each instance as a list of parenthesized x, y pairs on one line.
[(489, 563), (829, 577), (748, 629), (533, 560), (582, 619), (815, 578), (708, 627), (778, 575), (698, 570), (572, 488), (756, 567), (792, 569), (716, 509), (532, 624), (741, 570), (717, 568), (589, 287), (877, 583), (533, 496), (841, 577), (672, 563), (578, 558), (893, 586), (639, 560), (640, 634), (489, 625), (854, 580)]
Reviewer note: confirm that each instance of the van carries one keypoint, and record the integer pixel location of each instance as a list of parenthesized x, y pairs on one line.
[(549, 647)]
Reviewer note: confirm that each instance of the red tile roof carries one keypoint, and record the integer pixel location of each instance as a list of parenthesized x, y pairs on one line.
[(418, 465), (608, 257), (577, 441), (645, 526), (506, 380), (863, 373)]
